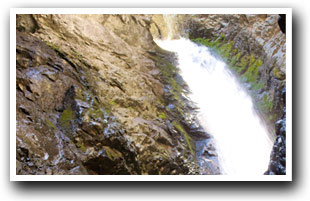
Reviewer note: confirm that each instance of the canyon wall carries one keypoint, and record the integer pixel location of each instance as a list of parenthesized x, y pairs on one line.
[(96, 95), (254, 48)]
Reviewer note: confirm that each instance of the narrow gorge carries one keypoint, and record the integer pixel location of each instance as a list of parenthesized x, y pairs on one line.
[(150, 95)]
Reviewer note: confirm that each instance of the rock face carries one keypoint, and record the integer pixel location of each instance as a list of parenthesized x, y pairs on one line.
[(277, 165), (254, 48), (96, 95), (170, 26)]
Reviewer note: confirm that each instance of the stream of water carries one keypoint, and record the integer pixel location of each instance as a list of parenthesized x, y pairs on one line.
[(226, 110)]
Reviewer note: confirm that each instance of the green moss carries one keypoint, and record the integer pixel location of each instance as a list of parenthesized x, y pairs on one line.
[(66, 117), (96, 113), (278, 74), (251, 74), (175, 85), (176, 89), (81, 146), (247, 66), (162, 115), (188, 139), (169, 72), (275, 72), (112, 153), (257, 86), (160, 102), (234, 59), (53, 46), (226, 50), (130, 108), (168, 75), (271, 117), (266, 104), (205, 42), (244, 61), (112, 103), (50, 124), (237, 57), (94, 108)]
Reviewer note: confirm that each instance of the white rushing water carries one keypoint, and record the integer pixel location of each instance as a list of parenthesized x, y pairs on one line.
[(226, 110)]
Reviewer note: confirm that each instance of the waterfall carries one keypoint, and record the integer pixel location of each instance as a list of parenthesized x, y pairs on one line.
[(225, 109)]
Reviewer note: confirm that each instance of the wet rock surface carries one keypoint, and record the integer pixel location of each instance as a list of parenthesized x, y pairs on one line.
[(277, 165), (254, 47), (95, 95)]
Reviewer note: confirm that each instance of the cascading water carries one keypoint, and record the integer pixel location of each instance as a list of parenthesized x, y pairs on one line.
[(226, 110)]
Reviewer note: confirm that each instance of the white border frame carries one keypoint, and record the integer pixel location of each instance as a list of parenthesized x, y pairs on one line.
[(14, 11)]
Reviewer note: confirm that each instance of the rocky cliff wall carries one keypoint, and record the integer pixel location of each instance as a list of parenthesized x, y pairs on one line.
[(96, 95)]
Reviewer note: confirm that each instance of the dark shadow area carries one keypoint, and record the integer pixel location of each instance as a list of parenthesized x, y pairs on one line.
[(229, 187)]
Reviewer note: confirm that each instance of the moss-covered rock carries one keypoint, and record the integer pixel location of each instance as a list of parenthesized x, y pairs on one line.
[(257, 52), (246, 66), (188, 138), (66, 117)]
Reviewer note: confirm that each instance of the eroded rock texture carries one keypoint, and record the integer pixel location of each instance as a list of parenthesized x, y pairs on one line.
[(95, 95)]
